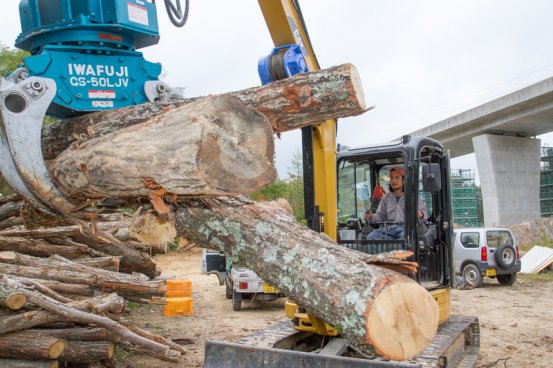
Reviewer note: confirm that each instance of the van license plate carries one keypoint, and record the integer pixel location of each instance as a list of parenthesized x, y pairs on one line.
[(490, 272), (268, 289)]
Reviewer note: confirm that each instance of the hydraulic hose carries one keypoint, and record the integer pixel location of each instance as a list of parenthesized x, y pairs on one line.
[(176, 15)]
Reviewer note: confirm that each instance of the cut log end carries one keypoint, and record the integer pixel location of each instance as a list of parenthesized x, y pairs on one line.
[(56, 349), (357, 86), (402, 321), (110, 351), (16, 301)]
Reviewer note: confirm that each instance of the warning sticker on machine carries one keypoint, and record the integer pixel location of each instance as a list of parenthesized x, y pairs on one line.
[(138, 14), (101, 93), (108, 104)]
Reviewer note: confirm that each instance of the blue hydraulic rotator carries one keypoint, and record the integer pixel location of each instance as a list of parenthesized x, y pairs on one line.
[(89, 49), (282, 62)]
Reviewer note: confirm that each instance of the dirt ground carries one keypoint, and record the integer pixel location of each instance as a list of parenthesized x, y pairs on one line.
[(516, 322)]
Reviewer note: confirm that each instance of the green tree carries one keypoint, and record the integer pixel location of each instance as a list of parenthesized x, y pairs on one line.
[(273, 191), (10, 59), (295, 187)]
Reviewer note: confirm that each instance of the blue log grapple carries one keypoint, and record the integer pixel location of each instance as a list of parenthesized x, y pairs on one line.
[(83, 59), (89, 49)]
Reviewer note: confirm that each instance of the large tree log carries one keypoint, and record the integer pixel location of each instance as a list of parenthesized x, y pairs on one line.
[(30, 346), (215, 146), (366, 303), (293, 103)]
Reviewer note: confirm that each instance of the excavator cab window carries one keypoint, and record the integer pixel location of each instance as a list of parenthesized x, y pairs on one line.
[(362, 182)]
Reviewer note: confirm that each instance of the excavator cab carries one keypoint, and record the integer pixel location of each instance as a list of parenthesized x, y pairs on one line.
[(426, 180)]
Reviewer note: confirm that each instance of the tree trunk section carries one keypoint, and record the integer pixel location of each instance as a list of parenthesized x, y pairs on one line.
[(31, 346), (293, 103), (216, 146), (11, 299), (87, 351), (368, 304)]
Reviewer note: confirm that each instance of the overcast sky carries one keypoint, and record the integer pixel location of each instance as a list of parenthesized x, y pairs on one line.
[(420, 61)]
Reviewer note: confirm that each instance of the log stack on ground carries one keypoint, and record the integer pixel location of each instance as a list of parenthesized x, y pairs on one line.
[(181, 155)]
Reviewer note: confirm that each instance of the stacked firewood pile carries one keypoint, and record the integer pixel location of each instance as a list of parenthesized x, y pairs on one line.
[(62, 291)]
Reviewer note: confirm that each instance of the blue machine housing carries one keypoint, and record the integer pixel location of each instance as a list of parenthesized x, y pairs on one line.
[(291, 62), (88, 47)]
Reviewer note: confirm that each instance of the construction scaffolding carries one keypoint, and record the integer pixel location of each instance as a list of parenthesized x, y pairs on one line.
[(463, 194), (464, 201), (546, 182)]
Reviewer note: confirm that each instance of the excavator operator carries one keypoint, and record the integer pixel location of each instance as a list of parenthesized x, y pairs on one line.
[(391, 210)]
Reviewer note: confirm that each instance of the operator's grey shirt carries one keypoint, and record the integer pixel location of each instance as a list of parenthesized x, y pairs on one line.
[(392, 210)]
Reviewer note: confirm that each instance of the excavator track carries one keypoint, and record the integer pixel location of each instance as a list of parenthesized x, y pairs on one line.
[(457, 344)]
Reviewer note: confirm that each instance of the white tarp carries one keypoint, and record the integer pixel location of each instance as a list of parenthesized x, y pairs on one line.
[(536, 259)]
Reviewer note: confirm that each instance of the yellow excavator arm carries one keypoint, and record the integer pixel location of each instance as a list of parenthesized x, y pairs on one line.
[(286, 26)]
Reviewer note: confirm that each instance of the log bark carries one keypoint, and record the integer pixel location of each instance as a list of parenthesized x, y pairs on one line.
[(87, 351), (110, 305), (107, 263), (85, 249), (216, 146), (11, 222), (50, 232), (368, 304), (17, 363), (293, 103), (10, 209), (78, 333), (132, 260), (65, 288), (41, 248), (31, 346)]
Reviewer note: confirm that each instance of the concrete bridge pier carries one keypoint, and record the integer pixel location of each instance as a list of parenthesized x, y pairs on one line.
[(509, 170)]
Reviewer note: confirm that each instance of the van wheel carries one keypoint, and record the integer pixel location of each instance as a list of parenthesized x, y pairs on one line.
[(505, 256), (508, 279), (472, 275), (236, 301)]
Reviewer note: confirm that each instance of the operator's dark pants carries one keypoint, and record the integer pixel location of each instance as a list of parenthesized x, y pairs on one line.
[(386, 233)]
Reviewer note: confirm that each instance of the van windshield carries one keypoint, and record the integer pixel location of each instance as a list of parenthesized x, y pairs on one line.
[(495, 238)]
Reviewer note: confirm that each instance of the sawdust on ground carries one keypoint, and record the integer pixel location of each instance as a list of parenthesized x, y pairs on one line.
[(516, 323)]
